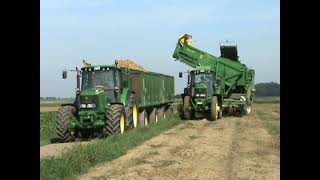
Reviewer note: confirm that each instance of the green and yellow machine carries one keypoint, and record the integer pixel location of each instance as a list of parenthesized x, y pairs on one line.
[(216, 85), (113, 99)]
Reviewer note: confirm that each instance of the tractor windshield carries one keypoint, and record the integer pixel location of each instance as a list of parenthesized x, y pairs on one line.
[(203, 78), (104, 78)]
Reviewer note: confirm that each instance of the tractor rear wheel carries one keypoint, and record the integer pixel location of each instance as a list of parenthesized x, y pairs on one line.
[(115, 117), (132, 114), (62, 123), (186, 106), (214, 108)]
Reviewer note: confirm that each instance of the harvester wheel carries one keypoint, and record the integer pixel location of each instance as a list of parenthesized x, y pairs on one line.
[(220, 114), (214, 108), (115, 116), (186, 105), (247, 109), (62, 123)]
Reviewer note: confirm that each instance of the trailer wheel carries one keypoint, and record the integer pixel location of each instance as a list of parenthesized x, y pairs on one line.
[(153, 115), (160, 113), (62, 123), (115, 119), (214, 108), (143, 118), (186, 105)]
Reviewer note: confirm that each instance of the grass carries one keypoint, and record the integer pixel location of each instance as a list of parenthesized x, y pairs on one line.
[(47, 127), (79, 159)]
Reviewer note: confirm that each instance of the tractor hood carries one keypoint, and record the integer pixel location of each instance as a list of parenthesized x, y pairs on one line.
[(91, 91), (203, 90)]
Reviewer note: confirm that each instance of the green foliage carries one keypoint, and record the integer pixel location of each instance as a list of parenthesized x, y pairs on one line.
[(268, 89), (81, 158), (47, 127)]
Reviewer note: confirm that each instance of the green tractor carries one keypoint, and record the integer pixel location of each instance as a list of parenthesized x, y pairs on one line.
[(103, 106), (216, 85), (113, 99)]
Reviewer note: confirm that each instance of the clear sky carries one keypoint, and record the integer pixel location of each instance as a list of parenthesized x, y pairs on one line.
[(147, 32)]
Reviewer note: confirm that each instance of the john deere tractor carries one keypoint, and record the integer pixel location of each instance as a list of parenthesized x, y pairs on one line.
[(215, 84), (104, 104)]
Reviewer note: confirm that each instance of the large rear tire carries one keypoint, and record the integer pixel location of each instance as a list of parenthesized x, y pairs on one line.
[(214, 108), (186, 107), (115, 119), (62, 123), (132, 114)]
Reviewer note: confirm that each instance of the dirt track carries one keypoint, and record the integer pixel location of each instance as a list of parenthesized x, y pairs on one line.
[(230, 148)]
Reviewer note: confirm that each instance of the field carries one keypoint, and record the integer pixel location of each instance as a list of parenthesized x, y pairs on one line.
[(230, 148)]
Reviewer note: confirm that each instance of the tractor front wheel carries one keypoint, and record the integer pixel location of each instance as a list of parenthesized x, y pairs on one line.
[(115, 117), (62, 123)]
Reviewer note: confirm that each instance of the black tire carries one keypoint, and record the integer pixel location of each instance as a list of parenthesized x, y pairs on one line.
[(186, 111), (160, 113), (63, 122), (113, 116), (129, 115), (220, 114), (214, 111), (143, 118), (153, 115)]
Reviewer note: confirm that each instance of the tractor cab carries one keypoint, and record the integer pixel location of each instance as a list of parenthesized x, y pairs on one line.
[(98, 79), (202, 82)]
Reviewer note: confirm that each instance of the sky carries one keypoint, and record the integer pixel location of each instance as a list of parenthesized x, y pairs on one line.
[(102, 31)]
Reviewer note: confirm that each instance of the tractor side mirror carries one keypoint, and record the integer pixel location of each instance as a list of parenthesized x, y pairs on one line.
[(180, 74), (64, 74)]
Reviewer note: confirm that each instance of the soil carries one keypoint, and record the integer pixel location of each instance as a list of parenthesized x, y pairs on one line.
[(229, 148)]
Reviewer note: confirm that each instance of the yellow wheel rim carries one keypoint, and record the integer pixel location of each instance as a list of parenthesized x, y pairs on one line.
[(122, 123), (217, 110), (135, 116)]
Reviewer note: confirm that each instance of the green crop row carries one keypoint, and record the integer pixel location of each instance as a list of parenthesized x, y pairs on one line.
[(47, 127)]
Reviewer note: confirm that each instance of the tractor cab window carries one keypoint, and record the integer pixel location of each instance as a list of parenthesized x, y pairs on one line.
[(105, 78), (206, 78)]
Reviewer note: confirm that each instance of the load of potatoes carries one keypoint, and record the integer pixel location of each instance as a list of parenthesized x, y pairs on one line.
[(130, 64)]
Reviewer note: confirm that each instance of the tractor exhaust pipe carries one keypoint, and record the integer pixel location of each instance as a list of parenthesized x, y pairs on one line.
[(78, 88)]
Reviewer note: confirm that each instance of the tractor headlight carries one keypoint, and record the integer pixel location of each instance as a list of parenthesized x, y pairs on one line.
[(83, 105), (91, 105), (197, 95), (202, 95)]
